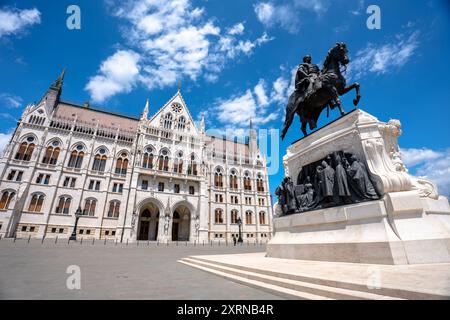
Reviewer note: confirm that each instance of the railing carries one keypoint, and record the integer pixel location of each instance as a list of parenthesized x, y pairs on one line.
[(170, 135), (79, 127)]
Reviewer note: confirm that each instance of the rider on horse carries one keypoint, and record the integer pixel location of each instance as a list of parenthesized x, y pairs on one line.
[(317, 89), (307, 73)]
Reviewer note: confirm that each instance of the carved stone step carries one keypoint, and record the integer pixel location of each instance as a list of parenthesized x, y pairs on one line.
[(320, 291)]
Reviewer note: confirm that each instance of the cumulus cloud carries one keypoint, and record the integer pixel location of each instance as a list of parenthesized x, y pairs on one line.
[(14, 21), (287, 15), (261, 104), (412, 157), (4, 140), (236, 29), (383, 58), (430, 164), (10, 100), (283, 16), (117, 74), (175, 39), (359, 10)]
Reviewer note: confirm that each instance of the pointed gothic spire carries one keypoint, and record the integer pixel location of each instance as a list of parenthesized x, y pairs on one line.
[(57, 85), (144, 115), (252, 139), (202, 124)]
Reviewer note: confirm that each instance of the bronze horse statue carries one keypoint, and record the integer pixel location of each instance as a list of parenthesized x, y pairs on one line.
[(323, 92)]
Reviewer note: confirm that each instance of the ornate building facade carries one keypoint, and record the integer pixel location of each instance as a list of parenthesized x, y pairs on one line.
[(158, 178)]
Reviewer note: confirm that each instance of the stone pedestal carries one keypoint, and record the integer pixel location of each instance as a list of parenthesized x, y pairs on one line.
[(410, 224)]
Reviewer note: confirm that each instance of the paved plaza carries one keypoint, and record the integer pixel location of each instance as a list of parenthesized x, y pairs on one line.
[(37, 270)]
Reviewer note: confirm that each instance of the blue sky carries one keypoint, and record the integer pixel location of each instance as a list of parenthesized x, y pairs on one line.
[(234, 60)]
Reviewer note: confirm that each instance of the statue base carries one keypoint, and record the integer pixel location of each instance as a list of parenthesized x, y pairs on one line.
[(409, 224)]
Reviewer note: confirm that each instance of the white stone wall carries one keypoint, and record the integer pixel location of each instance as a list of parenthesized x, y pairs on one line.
[(133, 200)]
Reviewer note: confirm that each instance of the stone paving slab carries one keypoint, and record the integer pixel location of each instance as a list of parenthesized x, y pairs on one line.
[(38, 271), (433, 279)]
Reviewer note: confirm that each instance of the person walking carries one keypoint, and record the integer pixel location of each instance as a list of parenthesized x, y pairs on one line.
[(234, 240)]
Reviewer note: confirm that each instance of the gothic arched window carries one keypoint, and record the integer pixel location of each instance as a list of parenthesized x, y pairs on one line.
[(89, 207), (262, 217), (114, 208), (168, 121), (218, 216), (147, 160), (181, 123), (178, 163), (192, 168), (234, 216), (122, 164), (25, 150), (99, 162), (259, 183), (247, 181), (36, 203), (233, 179), (76, 157), (218, 178), (51, 155), (6, 198), (163, 163), (64, 205), (248, 217)]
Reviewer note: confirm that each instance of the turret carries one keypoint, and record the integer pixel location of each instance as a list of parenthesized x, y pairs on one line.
[(144, 115), (51, 97), (202, 125), (252, 143)]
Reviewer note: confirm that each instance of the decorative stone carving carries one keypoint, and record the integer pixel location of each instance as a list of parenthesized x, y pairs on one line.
[(166, 224), (338, 179), (197, 224), (390, 216), (373, 142)]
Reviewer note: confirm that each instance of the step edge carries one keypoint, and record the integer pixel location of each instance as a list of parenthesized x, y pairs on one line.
[(338, 293)]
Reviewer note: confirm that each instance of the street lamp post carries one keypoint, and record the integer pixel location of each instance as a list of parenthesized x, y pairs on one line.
[(73, 236), (239, 221)]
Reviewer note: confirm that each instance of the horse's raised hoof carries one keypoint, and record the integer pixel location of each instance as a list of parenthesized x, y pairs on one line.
[(356, 101)]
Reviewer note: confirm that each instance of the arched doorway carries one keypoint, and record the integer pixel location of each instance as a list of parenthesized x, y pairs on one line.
[(148, 223), (181, 224)]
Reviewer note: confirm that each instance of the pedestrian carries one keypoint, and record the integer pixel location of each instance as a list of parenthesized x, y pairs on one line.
[(234, 240)]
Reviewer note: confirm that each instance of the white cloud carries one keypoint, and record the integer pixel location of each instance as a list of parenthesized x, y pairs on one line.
[(231, 47), (412, 157), (317, 6), (4, 140), (238, 109), (261, 104), (7, 116), (384, 58), (14, 21), (11, 101), (287, 15), (280, 90), (174, 40), (359, 10), (117, 74), (272, 15), (236, 29), (430, 164), (260, 93)]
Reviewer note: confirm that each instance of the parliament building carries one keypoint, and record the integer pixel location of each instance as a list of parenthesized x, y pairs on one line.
[(156, 178)]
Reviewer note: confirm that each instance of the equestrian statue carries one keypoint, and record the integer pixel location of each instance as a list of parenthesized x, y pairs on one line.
[(317, 89)]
